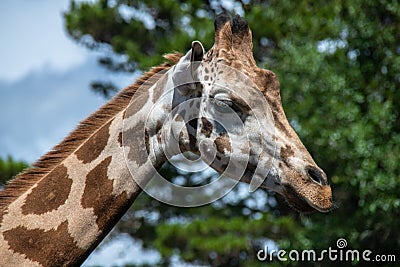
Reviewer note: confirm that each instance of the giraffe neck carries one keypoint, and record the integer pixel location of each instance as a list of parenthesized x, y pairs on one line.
[(65, 213)]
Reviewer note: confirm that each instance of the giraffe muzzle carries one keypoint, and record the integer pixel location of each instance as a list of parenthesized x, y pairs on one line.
[(310, 199)]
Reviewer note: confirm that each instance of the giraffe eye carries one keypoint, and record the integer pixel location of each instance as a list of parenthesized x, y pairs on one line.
[(223, 105)]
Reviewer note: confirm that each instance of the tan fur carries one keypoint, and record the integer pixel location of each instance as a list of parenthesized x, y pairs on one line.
[(223, 143), (84, 130), (233, 47), (31, 243)]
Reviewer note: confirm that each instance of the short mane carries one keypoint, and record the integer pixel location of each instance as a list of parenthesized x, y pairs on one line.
[(82, 132)]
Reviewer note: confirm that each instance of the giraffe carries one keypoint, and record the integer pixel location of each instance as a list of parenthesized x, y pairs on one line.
[(57, 212)]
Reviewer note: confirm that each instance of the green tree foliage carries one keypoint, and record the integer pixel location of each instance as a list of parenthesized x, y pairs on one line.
[(9, 168), (339, 67)]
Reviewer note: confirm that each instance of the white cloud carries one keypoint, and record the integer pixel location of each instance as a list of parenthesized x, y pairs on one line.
[(120, 251), (40, 109), (33, 35)]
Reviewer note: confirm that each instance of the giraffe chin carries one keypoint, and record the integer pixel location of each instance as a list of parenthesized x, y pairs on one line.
[(298, 202)]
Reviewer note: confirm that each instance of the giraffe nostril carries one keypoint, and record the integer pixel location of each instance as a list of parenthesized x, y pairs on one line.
[(316, 175)]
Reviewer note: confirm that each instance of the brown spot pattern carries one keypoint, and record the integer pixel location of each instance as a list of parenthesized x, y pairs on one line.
[(147, 141), (207, 127), (98, 194), (120, 139), (49, 248), (159, 89), (76, 138), (179, 118), (281, 123), (159, 125), (139, 100), (98, 188), (135, 139), (286, 153), (93, 147), (50, 193), (223, 142)]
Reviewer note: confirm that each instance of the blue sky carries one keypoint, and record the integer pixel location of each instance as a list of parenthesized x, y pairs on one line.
[(44, 78)]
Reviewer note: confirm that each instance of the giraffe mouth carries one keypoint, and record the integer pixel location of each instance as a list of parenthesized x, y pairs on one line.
[(297, 202)]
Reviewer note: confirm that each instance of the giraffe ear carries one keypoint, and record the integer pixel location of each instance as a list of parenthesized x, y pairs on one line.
[(186, 70), (195, 58), (197, 51)]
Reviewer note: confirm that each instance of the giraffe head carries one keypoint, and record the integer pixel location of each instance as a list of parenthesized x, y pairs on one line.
[(233, 118)]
